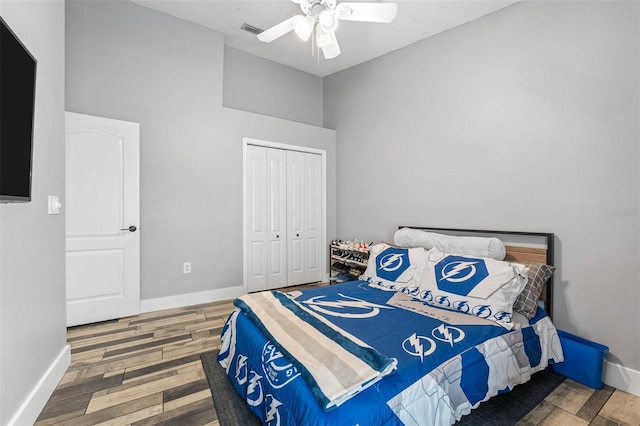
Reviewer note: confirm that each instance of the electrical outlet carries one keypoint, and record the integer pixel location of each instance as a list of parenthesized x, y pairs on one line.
[(186, 268)]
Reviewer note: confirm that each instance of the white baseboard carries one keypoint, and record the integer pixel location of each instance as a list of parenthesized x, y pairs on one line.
[(32, 406), (188, 299), (622, 378)]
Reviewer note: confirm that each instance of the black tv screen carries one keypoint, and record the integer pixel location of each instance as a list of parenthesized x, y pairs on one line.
[(17, 100)]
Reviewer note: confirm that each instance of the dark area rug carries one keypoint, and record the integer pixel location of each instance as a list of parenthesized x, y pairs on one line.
[(505, 409), (232, 410), (508, 408)]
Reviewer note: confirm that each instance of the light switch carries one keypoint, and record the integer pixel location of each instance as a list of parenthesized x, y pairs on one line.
[(54, 204)]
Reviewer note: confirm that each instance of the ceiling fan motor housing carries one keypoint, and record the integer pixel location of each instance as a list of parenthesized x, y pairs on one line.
[(314, 7), (321, 12)]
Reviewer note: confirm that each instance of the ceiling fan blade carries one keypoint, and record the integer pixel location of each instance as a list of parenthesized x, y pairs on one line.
[(368, 12), (332, 49), (279, 30)]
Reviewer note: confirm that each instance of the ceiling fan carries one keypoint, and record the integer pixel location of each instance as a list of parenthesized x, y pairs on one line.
[(323, 16)]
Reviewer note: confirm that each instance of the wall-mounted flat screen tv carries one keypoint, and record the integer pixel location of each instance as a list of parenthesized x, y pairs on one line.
[(17, 101)]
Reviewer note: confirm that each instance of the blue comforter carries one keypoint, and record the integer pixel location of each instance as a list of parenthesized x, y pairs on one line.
[(447, 362)]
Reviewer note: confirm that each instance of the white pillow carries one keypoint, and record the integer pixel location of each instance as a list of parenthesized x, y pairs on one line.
[(478, 286), (473, 246), (397, 268)]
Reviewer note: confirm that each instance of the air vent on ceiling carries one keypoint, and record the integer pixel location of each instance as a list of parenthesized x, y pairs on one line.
[(251, 29)]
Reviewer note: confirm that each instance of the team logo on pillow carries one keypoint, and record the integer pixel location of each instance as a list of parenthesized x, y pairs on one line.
[(459, 275), (392, 262), (462, 306), (503, 316), (482, 311)]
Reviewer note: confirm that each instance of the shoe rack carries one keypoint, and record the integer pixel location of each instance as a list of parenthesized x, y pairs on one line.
[(348, 260)]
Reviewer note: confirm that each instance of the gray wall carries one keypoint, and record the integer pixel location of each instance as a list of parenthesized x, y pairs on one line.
[(526, 119), (258, 85), (129, 62), (32, 264)]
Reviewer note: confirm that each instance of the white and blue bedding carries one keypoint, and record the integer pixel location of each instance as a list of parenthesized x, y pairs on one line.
[(445, 362), (335, 364)]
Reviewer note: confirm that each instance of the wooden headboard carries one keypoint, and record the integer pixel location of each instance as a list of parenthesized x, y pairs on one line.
[(515, 252)]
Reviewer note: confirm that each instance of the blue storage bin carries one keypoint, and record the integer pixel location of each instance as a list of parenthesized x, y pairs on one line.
[(583, 360)]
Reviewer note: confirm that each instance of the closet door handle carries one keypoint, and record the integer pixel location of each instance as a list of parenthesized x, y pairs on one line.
[(130, 229)]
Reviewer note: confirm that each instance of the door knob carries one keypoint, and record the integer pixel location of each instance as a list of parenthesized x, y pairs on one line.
[(130, 229)]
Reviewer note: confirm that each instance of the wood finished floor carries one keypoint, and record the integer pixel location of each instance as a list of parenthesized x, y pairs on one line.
[(146, 370)]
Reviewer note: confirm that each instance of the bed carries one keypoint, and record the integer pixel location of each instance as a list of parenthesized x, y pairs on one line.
[(406, 344)]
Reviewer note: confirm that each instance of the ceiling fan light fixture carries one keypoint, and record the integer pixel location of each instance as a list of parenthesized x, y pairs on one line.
[(327, 20), (330, 47), (324, 40), (304, 27)]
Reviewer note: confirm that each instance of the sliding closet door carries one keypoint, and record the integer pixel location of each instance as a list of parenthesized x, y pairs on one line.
[(303, 217)]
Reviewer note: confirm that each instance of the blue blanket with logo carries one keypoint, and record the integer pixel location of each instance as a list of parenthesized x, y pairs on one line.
[(447, 362), (335, 364)]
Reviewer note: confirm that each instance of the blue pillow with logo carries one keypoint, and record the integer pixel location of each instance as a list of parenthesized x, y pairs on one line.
[(478, 286), (396, 268)]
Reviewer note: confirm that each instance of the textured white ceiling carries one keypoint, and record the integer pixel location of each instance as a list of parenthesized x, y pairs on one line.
[(359, 41)]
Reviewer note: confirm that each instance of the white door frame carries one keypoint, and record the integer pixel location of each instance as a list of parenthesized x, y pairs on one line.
[(323, 193)]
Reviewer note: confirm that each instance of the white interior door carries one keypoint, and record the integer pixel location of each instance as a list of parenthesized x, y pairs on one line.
[(312, 231), (277, 217), (296, 216), (256, 226), (266, 201), (102, 218), (304, 217)]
